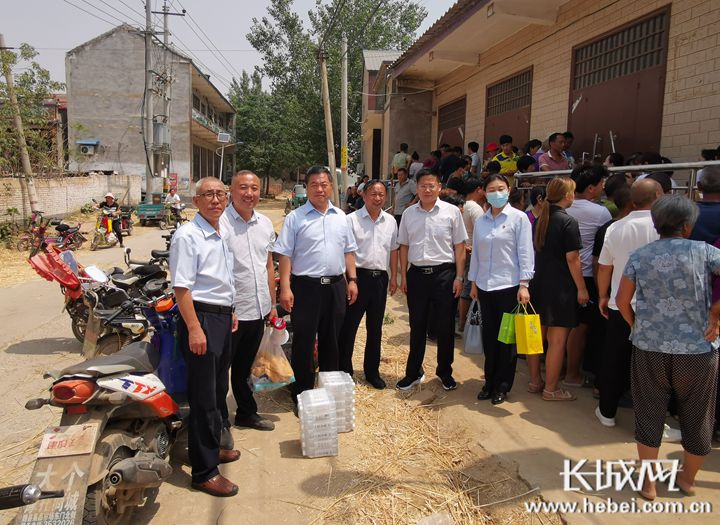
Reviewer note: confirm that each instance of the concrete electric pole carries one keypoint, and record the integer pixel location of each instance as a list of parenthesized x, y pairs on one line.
[(17, 121), (344, 115), (149, 154)]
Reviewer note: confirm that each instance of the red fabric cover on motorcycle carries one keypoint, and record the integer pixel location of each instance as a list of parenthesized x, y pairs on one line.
[(50, 266)]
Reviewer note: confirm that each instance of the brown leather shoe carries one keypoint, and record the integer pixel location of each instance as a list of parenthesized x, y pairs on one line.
[(228, 456), (218, 486)]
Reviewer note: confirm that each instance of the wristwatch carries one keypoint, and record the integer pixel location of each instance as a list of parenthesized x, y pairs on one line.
[(352, 279), (459, 279)]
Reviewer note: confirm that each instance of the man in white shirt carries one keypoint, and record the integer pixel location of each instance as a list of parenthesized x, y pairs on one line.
[(623, 237), (317, 278), (202, 276), (432, 262), (472, 211), (375, 233), (249, 236), (589, 184)]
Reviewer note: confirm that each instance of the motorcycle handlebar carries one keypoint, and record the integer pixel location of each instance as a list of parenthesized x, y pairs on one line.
[(20, 495)]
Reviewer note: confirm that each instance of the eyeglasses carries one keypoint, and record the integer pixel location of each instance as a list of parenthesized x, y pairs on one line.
[(210, 195), (428, 187)]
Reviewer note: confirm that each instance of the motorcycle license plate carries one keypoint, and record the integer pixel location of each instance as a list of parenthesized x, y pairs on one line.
[(68, 441), (63, 463)]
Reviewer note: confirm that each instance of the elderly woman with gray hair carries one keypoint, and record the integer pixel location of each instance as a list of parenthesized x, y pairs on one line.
[(675, 345)]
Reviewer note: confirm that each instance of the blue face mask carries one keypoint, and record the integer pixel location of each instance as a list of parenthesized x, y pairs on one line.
[(498, 199)]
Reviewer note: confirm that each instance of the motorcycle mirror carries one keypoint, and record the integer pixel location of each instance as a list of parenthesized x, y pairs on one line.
[(96, 274), (34, 404)]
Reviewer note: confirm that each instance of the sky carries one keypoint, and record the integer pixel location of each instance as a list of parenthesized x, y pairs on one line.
[(55, 26)]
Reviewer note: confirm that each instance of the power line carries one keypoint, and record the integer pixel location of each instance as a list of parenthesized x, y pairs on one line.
[(122, 21), (88, 12), (142, 15), (331, 25), (200, 63), (118, 11), (209, 40), (367, 23)]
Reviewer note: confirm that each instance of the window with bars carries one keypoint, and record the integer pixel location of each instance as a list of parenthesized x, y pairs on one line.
[(513, 93), (452, 115), (635, 48)]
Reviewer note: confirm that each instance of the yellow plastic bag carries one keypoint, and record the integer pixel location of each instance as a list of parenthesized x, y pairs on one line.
[(528, 336)]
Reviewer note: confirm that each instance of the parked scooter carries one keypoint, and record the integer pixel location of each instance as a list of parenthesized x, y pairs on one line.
[(123, 425), (126, 222), (103, 237)]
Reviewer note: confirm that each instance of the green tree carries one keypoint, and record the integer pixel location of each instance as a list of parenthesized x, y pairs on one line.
[(33, 86), (289, 52)]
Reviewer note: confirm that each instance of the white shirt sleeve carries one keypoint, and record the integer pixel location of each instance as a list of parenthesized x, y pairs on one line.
[(459, 231), (183, 262), (285, 243)]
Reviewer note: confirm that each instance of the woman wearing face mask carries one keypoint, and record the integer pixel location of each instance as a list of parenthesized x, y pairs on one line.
[(558, 286), (501, 267)]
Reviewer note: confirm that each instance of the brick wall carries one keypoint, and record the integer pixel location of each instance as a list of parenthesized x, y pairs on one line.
[(691, 115), (63, 195)]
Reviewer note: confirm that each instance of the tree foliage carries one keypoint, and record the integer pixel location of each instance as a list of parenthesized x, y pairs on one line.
[(290, 71), (33, 86)]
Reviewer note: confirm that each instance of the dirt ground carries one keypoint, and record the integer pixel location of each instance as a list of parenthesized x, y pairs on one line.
[(410, 455)]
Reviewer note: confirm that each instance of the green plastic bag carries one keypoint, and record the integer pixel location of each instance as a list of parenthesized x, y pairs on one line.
[(507, 327)]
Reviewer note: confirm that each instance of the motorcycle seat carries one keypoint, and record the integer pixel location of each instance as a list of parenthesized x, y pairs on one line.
[(140, 357), (124, 281), (62, 228), (160, 254), (147, 269)]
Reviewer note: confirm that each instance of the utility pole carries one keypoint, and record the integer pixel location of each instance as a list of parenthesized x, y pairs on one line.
[(344, 114), (149, 153), (17, 120), (322, 56)]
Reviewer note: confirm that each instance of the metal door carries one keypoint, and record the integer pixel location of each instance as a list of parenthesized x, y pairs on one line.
[(618, 86), (451, 123)]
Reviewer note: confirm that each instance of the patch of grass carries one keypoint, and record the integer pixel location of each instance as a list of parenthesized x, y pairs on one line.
[(388, 319)]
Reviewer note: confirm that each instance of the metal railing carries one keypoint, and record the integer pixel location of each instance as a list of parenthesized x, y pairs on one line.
[(693, 167)]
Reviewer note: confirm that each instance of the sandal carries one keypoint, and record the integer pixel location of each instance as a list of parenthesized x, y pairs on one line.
[(571, 385), (536, 389), (558, 395)]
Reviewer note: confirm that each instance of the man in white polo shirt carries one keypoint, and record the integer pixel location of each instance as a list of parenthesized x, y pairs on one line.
[(249, 236), (432, 263), (622, 238), (375, 233)]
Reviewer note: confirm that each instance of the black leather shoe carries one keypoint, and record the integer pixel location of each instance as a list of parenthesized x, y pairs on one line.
[(254, 421), (498, 398), (376, 382), (484, 394)]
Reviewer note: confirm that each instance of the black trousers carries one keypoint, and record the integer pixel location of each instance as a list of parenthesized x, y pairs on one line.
[(371, 300), (397, 219), (614, 378), (245, 344), (500, 358), (319, 309), (597, 327), (117, 230), (424, 291), (207, 389)]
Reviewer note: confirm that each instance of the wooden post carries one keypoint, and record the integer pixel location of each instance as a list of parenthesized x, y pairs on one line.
[(328, 125), (17, 120)]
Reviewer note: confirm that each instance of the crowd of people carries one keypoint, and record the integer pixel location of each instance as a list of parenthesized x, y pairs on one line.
[(618, 268)]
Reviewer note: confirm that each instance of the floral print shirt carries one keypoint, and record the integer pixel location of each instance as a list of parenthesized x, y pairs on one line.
[(672, 279)]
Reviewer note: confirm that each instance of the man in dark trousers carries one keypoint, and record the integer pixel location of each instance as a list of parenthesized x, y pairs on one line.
[(202, 276), (317, 278), (250, 236), (375, 233), (432, 264)]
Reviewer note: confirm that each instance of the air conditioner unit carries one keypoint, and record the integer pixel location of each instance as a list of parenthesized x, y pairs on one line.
[(87, 150)]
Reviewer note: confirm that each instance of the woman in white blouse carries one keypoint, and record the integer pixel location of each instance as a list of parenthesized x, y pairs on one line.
[(501, 267)]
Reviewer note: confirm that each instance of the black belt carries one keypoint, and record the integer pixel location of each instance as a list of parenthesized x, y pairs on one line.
[(429, 270), (371, 273), (213, 308), (332, 279)]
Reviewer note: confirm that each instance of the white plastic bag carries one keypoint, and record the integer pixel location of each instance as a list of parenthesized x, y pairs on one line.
[(271, 368), (472, 336)]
